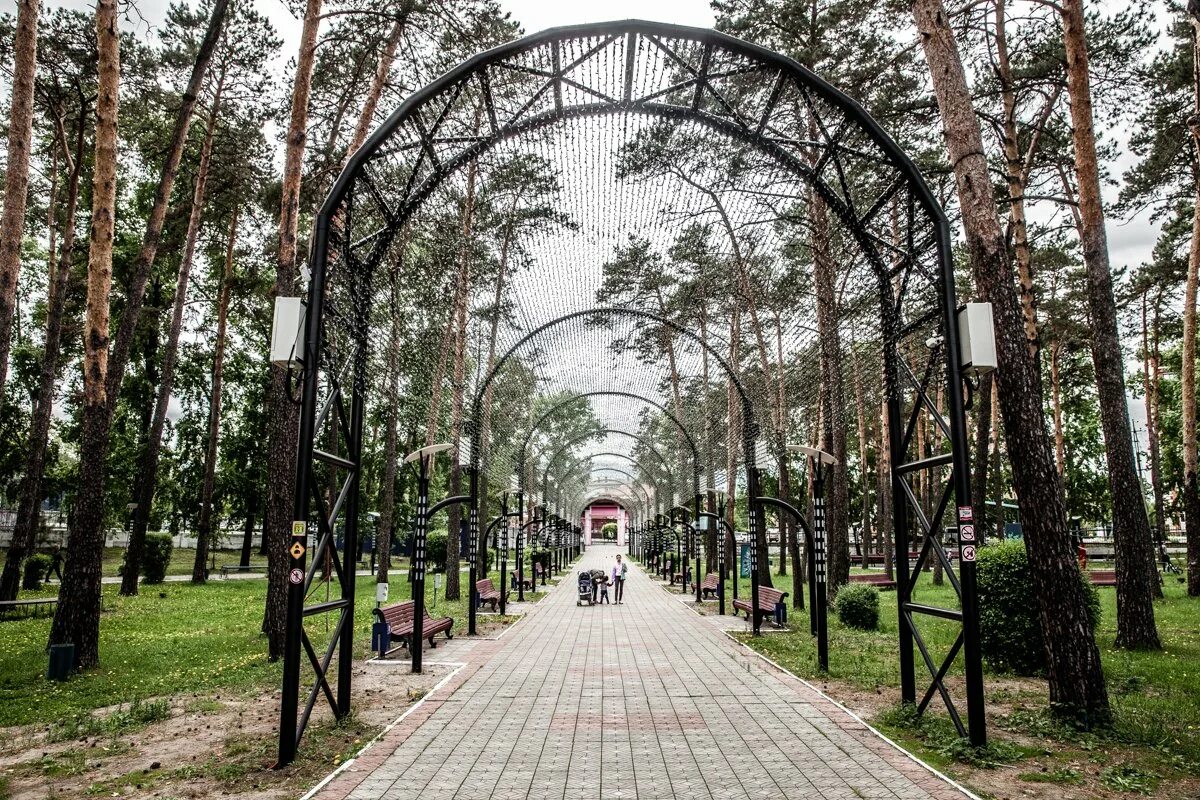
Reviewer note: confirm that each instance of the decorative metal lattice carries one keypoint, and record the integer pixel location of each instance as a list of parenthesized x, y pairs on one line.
[(627, 253)]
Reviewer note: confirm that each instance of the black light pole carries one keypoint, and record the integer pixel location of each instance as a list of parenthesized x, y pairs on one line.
[(503, 533), (520, 564), (820, 463), (424, 459), (473, 551), (721, 570)]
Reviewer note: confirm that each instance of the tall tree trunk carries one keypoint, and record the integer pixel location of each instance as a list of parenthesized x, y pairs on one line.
[(387, 512), (77, 616), (16, 173), (732, 442), (284, 419), (833, 401), (462, 293), (148, 479), (1076, 676), (383, 68), (1014, 176), (1187, 379), (204, 526), (26, 523), (143, 265), (1131, 528), (983, 435), (863, 467), (1150, 385)]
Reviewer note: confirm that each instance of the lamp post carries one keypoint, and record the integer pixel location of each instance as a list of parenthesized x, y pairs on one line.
[(424, 459), (820, 463)]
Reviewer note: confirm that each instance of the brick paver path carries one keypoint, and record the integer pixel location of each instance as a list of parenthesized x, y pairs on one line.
[(645, 699)]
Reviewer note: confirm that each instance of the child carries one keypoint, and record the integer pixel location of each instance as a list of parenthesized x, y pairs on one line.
[(604, 589)]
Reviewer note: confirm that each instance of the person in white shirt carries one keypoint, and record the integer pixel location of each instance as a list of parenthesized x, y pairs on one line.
[(618, 578)]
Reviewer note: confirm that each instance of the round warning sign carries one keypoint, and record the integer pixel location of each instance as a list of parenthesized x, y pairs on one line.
[(296, 576), (968, 552)]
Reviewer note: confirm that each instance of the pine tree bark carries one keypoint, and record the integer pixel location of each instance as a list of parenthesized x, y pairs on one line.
[(16, 172), (148, 478), (204, 525), (833, 400), (143, 266), (1150, 387), (1075, 674), (983, 435), (1131, 528), (77, 616), (462, 291), (387, 511), (860, 404), (26, 523), (1191, 484), (284, 419)]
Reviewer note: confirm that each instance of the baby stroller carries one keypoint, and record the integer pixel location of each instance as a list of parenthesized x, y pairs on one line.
[(585, 589)]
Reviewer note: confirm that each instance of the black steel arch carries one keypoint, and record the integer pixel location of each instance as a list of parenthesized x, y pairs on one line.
[(583, 437), (357, 223), (605, 393), (573, 464)]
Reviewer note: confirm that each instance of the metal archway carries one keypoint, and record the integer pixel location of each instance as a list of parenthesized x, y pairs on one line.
[(782, 112)]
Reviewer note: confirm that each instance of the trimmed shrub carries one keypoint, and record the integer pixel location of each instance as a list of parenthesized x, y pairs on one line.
[(1009, 627), (609, 532), (435, 551), (858, 607), (156, 557), (37, 566)]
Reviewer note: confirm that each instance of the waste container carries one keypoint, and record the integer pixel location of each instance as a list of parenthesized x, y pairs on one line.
[(62, 661)]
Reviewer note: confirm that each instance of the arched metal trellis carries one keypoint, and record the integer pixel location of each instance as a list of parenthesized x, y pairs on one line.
[(796, 138)]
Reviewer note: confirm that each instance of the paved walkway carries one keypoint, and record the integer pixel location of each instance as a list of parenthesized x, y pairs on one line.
[(642, 700)]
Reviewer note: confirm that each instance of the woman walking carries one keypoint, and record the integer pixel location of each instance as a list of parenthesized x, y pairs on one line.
[(618, 578)]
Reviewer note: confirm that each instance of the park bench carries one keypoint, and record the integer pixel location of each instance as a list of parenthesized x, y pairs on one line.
[(768, 599), (879, 579), (487, 592), (228, 568), (399, 619), (710, 584), (681, 579), (1102, 577), (33, 604), (526, 583)]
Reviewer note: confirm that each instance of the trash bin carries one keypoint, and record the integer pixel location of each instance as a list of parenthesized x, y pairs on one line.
[(62, 661), (380, 637), (780, 614)]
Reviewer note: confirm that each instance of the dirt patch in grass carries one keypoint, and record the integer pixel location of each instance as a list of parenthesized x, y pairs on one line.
[(207, 745)]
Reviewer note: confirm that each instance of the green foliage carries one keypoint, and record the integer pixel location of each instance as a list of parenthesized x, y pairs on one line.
[(858, 607), (1010, 631), (435, 551), (1062, 775), (156, 557), (36, 568), (1128, 778), (939, 734), (136, 715), (609, 531)]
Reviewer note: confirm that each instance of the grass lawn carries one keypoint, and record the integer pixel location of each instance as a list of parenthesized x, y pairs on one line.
[(172, 639), (1156, 704)]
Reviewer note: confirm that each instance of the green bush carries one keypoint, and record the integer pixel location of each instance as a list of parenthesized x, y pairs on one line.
[(858, 607), (609, 532), (37, 566), (156, 556), (1009, 627), (435, 551)]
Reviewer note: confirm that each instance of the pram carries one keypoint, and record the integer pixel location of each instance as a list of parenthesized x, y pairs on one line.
[(585, 589)]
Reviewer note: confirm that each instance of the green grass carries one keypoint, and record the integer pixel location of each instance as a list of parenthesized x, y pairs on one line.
[(173, 639)]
